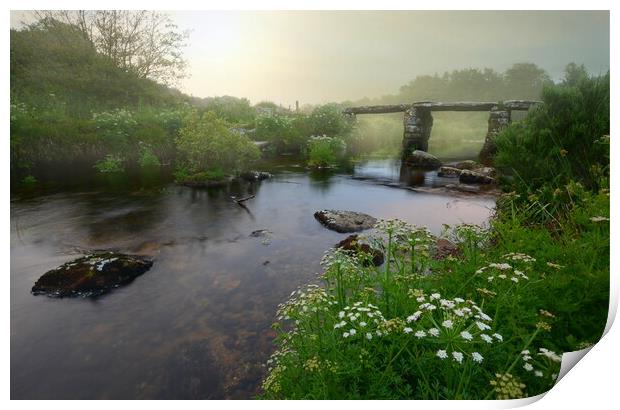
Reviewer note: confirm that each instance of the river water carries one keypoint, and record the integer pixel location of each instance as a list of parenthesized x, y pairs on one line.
[(197, 325)]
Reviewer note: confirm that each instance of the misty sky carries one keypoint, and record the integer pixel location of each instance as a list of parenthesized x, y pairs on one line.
[(316, 57)]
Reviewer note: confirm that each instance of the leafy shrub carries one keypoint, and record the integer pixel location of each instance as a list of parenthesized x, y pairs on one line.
[(328, 120), (561, 143), (29, 180), (110, 164), (324, 151), (205, 143), (115, 127), (147, 158)]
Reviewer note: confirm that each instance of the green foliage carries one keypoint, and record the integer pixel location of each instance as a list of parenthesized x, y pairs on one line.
[(55, 65), (110, 164), (232, 109), (324, 151), (147, 158), (328, 120), (29, 180), (561, 148), (279, 130), (205, 143)]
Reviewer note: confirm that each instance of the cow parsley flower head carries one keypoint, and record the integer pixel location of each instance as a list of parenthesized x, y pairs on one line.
[(477, 357), (458, 357), (442, 354), (466, 335), (447, 324)]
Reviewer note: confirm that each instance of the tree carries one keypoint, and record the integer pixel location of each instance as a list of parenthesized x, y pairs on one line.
[(146, 43), (574, 74), (525, 81)]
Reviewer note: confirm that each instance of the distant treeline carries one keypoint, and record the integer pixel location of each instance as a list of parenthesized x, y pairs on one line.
[(73, 102), (520, 81)]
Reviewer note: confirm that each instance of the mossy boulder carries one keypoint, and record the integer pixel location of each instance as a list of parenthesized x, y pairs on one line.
[(91, 275), (369, 255)]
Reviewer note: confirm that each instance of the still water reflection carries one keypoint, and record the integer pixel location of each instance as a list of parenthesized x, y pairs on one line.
[(197, 325)]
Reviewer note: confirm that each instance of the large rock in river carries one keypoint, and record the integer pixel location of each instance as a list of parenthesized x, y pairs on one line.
[(91, 275), (422, 159), (345, 221)]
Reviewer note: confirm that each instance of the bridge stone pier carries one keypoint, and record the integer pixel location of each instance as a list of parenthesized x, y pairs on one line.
[(418, 120)]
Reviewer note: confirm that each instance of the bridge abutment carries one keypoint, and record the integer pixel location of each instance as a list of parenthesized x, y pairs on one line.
[(498, 120), (418, 123)]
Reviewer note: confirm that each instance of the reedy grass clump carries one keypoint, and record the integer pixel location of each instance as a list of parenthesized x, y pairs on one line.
[(486, 324)]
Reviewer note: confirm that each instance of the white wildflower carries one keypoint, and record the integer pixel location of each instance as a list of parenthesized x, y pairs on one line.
[(458, 357), (352, 332), (407, 330), (420, 334), (599, 219), (345, 334), (498, 337), (363, 324), (477, 357), (483, 326), (466, 335), (368, 336), (435, 296), (486, 338), (538, 373), (500, 266), (442, 354), (414, 317), (447, 324), (434, 332), (341, 314), (528, 367)]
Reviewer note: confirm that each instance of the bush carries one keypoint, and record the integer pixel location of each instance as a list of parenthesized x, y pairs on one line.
[(147, 158), (110, 164), (328, 120), (324, 151), (205, 143), (561, 143)]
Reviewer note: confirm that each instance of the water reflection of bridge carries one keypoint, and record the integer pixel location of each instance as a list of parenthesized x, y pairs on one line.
[(418, 120)]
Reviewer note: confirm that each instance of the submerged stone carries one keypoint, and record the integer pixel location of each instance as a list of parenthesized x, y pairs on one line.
[(91, 275), (345, 221), (371, 255)]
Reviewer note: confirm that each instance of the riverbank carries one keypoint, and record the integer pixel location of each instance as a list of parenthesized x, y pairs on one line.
[(509, 303)]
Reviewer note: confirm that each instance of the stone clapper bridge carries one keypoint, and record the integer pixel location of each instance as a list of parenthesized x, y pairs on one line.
[(418, 120)]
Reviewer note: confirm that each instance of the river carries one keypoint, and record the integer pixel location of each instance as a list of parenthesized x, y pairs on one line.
[(197, 325)]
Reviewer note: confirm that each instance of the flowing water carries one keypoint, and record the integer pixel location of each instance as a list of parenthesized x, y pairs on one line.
[(197, 325)]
